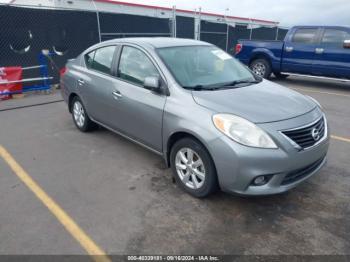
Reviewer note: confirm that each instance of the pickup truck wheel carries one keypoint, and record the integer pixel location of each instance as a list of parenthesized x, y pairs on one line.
[(261, 67), (280, 76)]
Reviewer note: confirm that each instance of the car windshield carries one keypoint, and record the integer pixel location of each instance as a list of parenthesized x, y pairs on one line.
[(204, 67)]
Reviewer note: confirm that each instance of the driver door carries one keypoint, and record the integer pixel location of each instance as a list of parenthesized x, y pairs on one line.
[(138, 112)]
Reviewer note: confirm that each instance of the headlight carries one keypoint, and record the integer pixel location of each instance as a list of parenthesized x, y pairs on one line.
[(243, 131), (316, 102)]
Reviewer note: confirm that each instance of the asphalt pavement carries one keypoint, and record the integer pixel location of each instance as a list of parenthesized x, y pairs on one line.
[(124, 200)]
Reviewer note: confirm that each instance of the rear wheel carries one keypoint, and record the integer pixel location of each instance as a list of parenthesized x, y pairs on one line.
[(193, 168), (261, 67), (80, 117)]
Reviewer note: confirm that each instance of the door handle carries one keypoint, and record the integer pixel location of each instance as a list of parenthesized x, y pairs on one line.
[(81, 82), (289, 48), (319, 50), (117, 94)]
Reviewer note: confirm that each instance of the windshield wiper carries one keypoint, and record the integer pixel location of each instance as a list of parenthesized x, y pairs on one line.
[(233, 84), (238, 82), (201, 88)]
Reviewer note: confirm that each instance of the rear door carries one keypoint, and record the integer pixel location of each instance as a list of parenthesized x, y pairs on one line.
[(299, 50), (96, 83), (332, 59)]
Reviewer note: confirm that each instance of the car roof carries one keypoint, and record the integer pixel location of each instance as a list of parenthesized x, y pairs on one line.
[(158, 42), (322, 26)]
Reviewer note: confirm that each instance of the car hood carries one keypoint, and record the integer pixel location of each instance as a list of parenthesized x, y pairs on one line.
[(258, 103)]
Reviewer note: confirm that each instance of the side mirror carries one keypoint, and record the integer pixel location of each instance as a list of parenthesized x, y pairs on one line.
[(152, 83), (346, 44)]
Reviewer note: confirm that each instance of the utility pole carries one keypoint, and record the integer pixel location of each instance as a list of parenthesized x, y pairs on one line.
[(199, 23), (174, 21), (227, 27), (98, 21), (251, 29)]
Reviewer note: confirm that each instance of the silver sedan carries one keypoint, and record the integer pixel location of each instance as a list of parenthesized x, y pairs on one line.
[(215, 123)]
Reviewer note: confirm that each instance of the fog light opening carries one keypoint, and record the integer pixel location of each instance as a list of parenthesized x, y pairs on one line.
[(260, 180)]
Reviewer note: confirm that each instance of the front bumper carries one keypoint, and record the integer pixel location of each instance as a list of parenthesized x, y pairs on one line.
[(238, 165)]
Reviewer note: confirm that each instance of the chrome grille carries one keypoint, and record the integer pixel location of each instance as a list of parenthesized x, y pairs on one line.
[(308, 136)]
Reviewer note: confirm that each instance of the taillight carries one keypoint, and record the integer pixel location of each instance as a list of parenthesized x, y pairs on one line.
[(238, 48), (63, 71)]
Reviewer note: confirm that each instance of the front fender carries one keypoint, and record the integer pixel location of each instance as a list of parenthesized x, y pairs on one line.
[(196, 122)]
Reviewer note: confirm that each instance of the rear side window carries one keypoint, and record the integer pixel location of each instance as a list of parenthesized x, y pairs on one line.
[(89, 59), (304, 36), (334, 37), (101, 59), (135, 66)]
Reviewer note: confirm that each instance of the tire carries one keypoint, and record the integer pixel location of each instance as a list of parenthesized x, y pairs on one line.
[(280, 76), (80, 117), (261, 67), (187, 177)]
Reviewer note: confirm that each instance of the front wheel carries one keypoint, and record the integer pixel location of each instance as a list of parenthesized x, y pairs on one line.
[(193, 168), (261, 67)]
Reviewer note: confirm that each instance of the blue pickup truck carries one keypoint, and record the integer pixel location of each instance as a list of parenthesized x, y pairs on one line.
[(320, 51)]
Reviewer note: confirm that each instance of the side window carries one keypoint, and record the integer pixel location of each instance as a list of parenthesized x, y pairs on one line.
[(334, 37), (89, 59), (135, 66), (103, 59), (304, 36)]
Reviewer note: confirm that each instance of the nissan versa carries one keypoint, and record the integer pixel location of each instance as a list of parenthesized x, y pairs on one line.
[(215, 123)]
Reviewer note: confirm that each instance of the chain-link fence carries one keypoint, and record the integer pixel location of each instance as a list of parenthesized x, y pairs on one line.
[(125, 25), (226, 36), (27, 30)]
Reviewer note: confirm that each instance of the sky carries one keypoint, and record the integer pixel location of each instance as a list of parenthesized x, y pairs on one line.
[(288, 13)]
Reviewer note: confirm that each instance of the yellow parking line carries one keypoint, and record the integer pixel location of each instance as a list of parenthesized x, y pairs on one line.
[(84, 240), (341, 138), (320, 92)]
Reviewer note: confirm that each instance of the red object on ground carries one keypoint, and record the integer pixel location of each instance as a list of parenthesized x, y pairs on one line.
[(8, 74)]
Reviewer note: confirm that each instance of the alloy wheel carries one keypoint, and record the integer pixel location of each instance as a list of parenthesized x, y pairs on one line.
[(190, 168), (79, 114)]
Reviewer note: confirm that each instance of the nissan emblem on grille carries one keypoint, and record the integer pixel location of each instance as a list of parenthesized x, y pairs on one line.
[(309, 135), (315, 134)]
